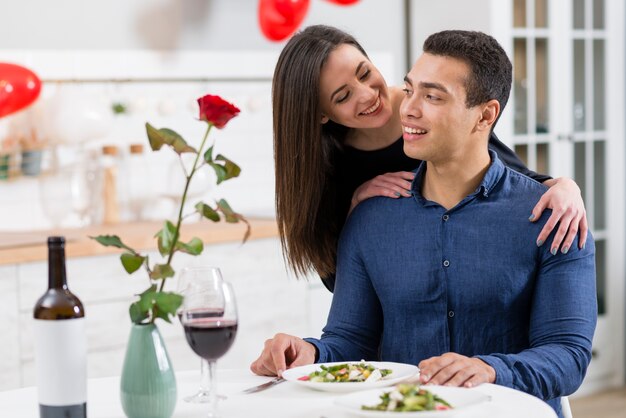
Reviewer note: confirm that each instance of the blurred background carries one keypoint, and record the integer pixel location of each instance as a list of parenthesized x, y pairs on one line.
[(107, 67)]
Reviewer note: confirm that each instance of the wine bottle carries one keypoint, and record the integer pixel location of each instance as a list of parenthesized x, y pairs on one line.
[(60, 344)]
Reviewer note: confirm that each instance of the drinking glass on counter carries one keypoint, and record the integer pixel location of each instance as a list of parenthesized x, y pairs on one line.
[(55, 195), (209, 317)]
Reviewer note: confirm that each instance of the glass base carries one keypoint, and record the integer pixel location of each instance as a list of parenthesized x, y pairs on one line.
[(201, 397)]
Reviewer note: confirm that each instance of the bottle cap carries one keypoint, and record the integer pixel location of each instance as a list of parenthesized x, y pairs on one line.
[(56, 240), (110, 150), (136, 148)]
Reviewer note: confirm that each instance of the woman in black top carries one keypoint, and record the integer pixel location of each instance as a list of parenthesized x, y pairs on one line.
[(338, 141)]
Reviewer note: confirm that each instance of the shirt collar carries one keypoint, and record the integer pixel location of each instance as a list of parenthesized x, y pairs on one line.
[(491, 178)]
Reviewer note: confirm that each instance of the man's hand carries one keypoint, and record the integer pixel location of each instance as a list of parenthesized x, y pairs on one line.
[(453, 369), (283, 352)]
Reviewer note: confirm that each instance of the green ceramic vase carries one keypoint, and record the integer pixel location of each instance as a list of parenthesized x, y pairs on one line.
[(148, 384)]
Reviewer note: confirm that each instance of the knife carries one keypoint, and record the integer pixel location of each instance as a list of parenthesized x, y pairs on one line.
[(264, 386)]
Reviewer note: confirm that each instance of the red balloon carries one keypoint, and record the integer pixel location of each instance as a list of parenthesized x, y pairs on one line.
[(19, 87), (343, 2), (280, 18)]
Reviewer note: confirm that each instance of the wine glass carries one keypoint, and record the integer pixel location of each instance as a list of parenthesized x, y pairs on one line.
[(187, 276), (209, 317)]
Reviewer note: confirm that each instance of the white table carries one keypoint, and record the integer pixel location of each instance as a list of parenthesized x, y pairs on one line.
[(284, 400)]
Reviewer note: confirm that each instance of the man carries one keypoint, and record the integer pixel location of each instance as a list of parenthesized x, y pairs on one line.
[(452, 278)]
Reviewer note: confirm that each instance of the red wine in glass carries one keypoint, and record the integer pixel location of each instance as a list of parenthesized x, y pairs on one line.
[(197, 314), (210, 338), (209, 318)]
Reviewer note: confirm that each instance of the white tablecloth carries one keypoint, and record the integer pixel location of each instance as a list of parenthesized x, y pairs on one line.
[(283, 400)]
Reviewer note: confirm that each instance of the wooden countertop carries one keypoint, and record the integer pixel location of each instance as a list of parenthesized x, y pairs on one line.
[(22, 247)]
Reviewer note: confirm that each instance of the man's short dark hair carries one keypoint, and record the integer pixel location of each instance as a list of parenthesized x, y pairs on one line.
[(490, 68)]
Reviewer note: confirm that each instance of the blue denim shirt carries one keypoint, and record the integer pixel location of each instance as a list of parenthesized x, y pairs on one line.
[(415, 280)]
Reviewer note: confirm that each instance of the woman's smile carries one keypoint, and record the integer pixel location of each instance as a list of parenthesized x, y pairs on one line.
[(374, 109)]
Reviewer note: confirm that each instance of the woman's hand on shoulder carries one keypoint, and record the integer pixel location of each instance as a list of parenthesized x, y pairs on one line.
[(568, 210), (392, 185)]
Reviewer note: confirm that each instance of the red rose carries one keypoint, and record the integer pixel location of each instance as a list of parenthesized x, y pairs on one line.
[(215, 110)]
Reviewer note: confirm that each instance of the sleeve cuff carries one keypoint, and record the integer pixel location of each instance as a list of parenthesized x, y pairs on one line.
[(320, 353), (504, 376)]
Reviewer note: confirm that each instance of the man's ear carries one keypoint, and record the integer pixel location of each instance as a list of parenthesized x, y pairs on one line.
[(489, 114), (324, 119)]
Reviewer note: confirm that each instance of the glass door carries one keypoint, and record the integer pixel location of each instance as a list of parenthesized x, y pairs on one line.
[(531, 84), (561, 127)]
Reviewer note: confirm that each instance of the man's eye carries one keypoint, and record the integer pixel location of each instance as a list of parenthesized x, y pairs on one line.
[(432, 98), (365, 75), (407, 91)]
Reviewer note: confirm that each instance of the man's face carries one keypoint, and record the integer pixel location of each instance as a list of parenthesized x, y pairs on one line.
[(437, 125)]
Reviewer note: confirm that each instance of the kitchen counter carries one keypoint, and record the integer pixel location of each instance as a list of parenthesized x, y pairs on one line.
[(269, 299), (21, 247)]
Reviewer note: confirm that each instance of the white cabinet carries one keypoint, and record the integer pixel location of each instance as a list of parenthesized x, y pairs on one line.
[(10, 329), (268, 300)]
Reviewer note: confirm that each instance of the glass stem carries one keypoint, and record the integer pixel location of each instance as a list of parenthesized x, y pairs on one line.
[(205, 379), (210, 365)]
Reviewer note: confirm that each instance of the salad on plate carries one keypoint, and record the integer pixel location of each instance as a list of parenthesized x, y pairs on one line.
[(347, 372), (349, 376), (409, 398)]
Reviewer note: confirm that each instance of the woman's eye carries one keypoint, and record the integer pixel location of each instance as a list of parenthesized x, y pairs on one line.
[(343, 98), (365, 75)]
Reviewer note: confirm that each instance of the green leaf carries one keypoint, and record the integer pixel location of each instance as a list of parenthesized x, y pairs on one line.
[(193, 247), (132, 262), (224, 168), (157, 313), (112, 241), (161, 271), (166, 238), (146, 299), (163, 315), (119, 108), (208, 155), (233, 217), (207, 211), (137, 315), (220, 172), (155, 138), (167, 304), (229, 214), (232, 169), (165, 136)]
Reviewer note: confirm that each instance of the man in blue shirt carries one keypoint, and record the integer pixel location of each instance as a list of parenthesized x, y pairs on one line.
[(452, 278)]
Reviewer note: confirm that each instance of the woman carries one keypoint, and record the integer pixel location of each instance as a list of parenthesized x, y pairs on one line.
[(338, 141)]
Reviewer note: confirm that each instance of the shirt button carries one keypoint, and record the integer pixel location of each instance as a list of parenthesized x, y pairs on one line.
[(446, 217), (446, 263), (451, 314)]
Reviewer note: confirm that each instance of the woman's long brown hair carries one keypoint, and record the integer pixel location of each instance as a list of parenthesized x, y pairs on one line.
[(305, 152)]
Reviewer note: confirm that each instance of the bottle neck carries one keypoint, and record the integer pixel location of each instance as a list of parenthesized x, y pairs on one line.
[(56, 268)]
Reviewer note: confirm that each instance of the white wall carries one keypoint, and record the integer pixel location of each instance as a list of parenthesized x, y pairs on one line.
[(185, 40), (185, 25), (433, 16)]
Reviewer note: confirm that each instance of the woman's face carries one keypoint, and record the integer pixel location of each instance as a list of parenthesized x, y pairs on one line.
[(353, 93)]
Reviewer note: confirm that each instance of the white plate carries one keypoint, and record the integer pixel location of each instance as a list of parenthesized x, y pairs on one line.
[(459, 398), (399, 373)]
